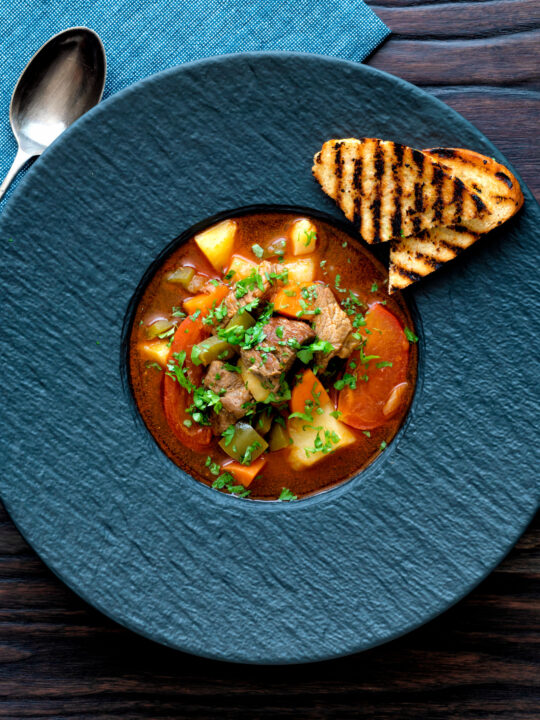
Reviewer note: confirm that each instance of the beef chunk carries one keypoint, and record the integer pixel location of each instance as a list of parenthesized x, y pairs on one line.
[(333, 326), (235, 399), (258, 288), (275, 354)]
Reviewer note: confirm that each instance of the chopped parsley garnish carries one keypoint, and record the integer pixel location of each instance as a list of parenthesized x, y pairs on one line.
[(212, 466), (226, 482), (324, 446), (248, 284), (216, 314), (247, 456), (176, 370), (249, 306), (231, 368), (257, 250), (286, 495), (154, 365), (305, 354), (383, 364), (178, 312), (411, 337), (383, 445), (311, 235), (346, 380), (374, 287)]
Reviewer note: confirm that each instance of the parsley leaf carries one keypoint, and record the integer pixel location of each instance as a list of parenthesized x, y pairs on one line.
[(228, 435), (347, 379), (286, 495), (411, 337), (306, 353)]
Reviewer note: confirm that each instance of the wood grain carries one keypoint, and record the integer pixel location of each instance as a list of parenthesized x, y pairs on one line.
[(59, 658), (470, 19)]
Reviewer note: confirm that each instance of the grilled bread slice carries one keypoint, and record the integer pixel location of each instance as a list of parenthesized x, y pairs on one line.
[(413, 258), (390, 190), (493, 182)]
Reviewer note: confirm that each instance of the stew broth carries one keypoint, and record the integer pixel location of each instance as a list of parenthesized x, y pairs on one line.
[(340, 262)]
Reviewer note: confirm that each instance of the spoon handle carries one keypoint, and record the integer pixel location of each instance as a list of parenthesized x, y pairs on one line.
[(21, 158)]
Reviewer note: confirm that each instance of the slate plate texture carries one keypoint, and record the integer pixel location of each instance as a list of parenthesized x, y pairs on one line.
[(122, 525)]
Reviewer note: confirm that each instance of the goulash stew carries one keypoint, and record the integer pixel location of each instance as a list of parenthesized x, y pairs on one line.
[(267, 358)]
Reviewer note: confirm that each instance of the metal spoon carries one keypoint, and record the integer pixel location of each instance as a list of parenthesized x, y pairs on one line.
[(63, 80)]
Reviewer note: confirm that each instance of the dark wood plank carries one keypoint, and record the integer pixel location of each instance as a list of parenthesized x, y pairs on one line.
[(491, 61), (469, 19), (426, 4), (509, 118)]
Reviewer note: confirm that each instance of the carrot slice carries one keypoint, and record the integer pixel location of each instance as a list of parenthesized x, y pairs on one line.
[(245, 474), (289, 301), (176, 399), (373, 402), (308, 390), (206, 301)]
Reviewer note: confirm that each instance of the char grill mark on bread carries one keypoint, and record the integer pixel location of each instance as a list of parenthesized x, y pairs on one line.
[(390, 190), (412, 258)]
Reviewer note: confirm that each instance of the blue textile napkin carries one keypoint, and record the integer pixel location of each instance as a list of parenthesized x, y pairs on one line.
[(142, 38)]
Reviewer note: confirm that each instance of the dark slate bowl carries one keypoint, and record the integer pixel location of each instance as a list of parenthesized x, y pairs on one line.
[(127, 529)]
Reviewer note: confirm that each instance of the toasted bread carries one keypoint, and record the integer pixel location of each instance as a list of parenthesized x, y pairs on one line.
[(495, 184), (413, 258), (390, 190)]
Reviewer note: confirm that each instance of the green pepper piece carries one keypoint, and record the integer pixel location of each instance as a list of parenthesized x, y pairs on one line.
[(245, 445), (217, 348), (181, 276), (158, 327), (263, 423), (278, 438), (241, 319), (213, 348)]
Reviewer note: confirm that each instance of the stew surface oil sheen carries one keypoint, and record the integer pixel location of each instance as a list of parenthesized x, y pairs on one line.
[(267, 358)]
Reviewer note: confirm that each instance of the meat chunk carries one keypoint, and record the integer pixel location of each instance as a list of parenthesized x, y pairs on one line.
[(260, 287), (333, 326), (235, 397), (275, 354)]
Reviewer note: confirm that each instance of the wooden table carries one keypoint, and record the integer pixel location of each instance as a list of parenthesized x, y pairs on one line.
[(60, 658)]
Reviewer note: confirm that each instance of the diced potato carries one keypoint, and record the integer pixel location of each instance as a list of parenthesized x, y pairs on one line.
[(303, 236), (156, 351), (334, 435), (217, 243), (253, 384), (241, 267), (301, 270)]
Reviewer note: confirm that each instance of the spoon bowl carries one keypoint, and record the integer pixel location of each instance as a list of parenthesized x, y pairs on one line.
[(63, 80)]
